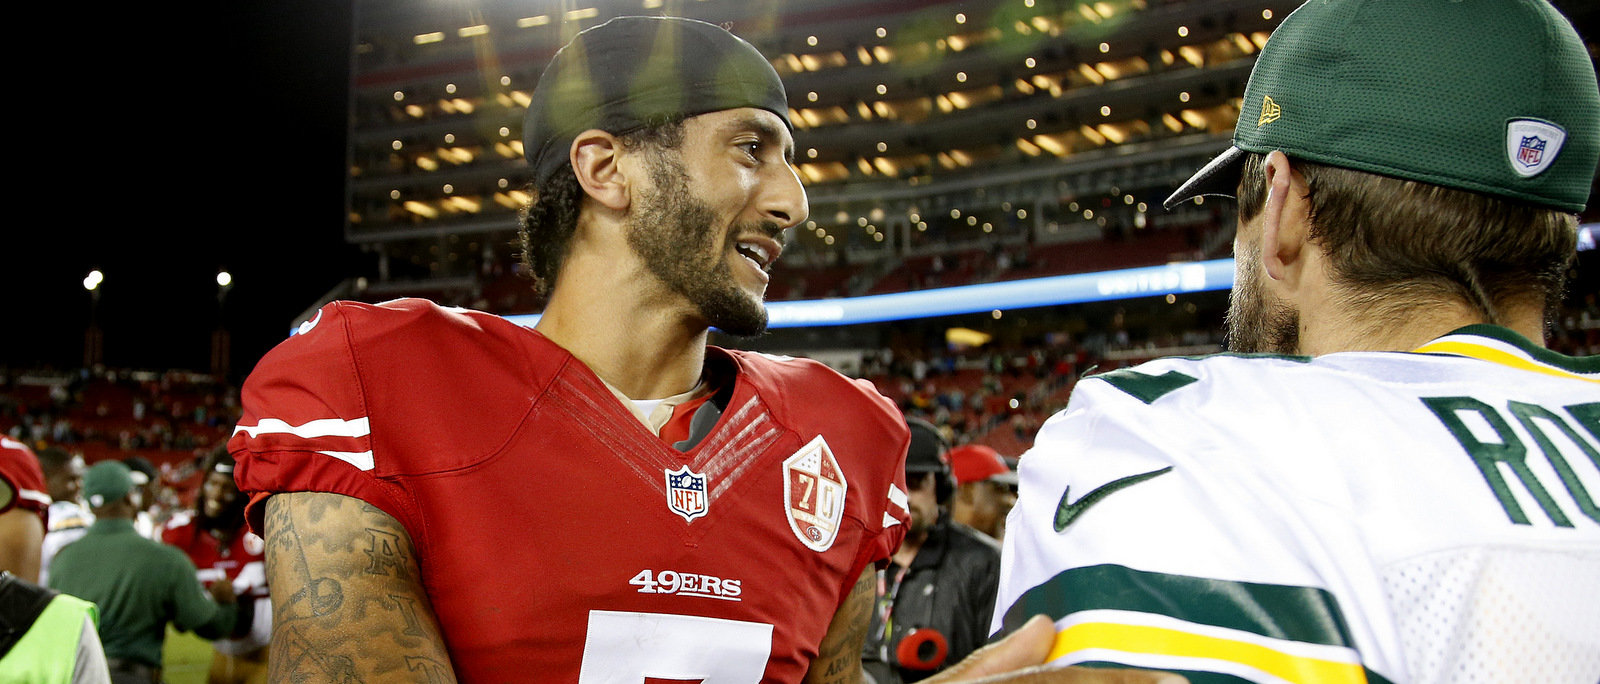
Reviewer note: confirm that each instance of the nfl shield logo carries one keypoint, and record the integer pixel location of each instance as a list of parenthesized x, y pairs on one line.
[(1532, 145), (1531, 151), (814, 489), (686, 493)]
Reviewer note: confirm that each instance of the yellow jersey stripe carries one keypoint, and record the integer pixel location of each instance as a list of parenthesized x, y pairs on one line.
[(1176, 643), (1492, 355)]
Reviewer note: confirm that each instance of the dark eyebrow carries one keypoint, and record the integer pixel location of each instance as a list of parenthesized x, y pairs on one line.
[(769, 134)]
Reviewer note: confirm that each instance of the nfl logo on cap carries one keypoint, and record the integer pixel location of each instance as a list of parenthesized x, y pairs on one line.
[(1532, 145), (1531, 151), (686, 493)]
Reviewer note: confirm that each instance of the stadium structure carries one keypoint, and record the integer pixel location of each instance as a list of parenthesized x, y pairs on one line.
[(985, 180), (942, 143)]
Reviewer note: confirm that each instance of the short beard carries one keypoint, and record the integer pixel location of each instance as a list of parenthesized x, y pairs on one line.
[(1256, 323), (674, 233)]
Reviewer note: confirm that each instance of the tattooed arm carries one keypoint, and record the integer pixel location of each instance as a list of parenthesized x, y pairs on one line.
[(347, 598), (838, 659)]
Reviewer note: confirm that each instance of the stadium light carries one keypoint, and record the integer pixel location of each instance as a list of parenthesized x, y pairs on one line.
[(1150, 281), (224, 279), (93, 280)]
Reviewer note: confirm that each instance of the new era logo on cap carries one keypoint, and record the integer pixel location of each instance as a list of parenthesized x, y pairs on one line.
[(1532, 145), (1270, 111)]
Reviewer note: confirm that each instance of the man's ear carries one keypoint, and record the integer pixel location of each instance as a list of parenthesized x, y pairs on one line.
[(595, 155), (964, 494), (1285, 223)]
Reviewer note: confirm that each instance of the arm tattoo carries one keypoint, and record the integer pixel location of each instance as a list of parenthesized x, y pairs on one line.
[(839, 657), (348, 602)]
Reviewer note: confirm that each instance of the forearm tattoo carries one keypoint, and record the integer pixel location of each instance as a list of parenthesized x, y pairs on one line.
[(839, 657), (348, 604)]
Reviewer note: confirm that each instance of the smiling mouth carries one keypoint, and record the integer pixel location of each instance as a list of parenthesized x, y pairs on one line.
[(760, 252)]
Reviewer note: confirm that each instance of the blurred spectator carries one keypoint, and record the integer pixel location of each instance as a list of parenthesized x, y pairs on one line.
[(986, 489), (22, 510), (148, 482), (139, 584), (68, 519), (936, 596), (215, 538)]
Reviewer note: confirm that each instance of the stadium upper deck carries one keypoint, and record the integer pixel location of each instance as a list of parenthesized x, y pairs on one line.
[(922, 126), (1010, 137)]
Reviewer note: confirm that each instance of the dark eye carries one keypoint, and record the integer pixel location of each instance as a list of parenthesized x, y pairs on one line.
[(752, 148)]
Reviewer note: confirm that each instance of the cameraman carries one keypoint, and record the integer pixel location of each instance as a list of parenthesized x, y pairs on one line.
[(937, 594)]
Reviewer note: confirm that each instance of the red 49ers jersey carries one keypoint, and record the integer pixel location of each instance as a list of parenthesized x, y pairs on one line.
[(20, 469), (558, 536), (241, 562)]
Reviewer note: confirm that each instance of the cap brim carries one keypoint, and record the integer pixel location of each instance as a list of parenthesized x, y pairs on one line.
[(1218, 178), (1005, 478)]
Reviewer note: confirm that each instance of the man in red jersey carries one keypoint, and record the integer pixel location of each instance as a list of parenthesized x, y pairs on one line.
[(23, 501), (446, 495), (223, 549)]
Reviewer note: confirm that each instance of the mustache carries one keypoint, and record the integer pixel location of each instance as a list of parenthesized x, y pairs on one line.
[(768, 229)]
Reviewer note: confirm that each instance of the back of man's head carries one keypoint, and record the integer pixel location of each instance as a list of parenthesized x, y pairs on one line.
[(53, 459), (1446, 145), (107, 487)]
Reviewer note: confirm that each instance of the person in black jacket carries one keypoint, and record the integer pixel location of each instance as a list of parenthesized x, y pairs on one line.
[(936, 596)]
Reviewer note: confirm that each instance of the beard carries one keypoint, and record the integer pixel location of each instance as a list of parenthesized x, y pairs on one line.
[(1256, 322), (675, 234)]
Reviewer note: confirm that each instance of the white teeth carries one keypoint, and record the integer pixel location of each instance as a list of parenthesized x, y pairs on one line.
[(755, 253)]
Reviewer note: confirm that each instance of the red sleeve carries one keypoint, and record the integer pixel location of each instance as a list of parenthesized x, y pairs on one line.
[(895, 514), (304, 426), (19, 468)]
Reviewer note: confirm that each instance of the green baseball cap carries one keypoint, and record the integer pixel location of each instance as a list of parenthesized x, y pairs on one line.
[(1490, 96), (106, 482)]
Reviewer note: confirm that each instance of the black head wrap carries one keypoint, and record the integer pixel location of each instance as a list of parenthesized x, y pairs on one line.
[(632, 72)]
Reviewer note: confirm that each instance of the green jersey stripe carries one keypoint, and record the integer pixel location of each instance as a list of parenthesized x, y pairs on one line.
[(1291, 613), (1583, 365)]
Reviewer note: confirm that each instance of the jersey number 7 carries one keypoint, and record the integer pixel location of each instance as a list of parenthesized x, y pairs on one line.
[(626, 647)]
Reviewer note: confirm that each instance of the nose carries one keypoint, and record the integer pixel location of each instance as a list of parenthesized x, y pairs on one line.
[(784, 200)]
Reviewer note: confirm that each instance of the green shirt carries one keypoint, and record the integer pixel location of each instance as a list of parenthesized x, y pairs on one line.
[(140, 586)]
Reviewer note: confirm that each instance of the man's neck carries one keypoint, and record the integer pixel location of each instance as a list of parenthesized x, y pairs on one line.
[(909, 548), (1353, 330), (615, 319)]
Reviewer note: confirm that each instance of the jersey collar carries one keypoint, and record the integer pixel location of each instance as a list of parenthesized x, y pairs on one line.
[(1504, 346)]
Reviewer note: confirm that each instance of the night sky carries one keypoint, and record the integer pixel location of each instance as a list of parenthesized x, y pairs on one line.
[(172, 145)]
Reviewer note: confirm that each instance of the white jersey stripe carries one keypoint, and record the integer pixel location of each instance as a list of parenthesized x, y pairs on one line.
[(325, 427), (359, 459), (1152, 661), (35, 495), (898, 498)]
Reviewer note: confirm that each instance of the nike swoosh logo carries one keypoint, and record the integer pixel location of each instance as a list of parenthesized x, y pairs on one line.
[(1067, 512)]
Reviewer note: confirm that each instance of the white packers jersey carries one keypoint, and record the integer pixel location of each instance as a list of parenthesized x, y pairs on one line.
[(1427, 516)]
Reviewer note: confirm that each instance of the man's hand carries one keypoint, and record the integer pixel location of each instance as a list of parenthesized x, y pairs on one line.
[(1017, 659), (222, 592)]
